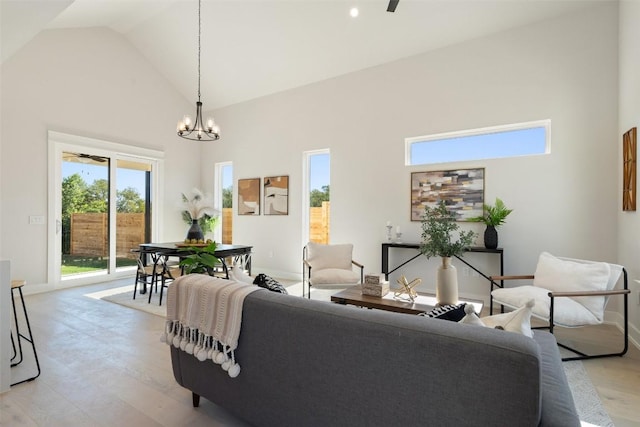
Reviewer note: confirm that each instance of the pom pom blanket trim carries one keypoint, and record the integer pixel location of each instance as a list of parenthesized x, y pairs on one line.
[(204, 315)]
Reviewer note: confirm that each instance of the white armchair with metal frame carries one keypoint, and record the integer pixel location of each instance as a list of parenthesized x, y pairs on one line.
[(568, 293), (329, 265)]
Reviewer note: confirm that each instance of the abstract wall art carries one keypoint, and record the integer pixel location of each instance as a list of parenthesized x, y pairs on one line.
[(249, 196), (629, 154), (462, 190), (276, 195)]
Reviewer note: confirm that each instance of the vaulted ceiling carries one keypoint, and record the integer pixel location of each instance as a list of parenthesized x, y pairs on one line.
[(252, 48)]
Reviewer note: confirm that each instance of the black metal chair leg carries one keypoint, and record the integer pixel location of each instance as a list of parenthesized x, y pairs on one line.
[(18, 285), (13, 348), (15, 319)]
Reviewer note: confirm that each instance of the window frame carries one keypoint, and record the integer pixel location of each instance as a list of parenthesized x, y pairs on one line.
[(546, 124)]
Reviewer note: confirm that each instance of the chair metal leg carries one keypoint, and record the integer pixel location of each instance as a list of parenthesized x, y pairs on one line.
[(135, 285), (580, 354), (20, 335), (15, 319), (13, 348)]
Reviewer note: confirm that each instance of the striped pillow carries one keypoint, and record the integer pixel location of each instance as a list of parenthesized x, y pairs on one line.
[(447, 312)]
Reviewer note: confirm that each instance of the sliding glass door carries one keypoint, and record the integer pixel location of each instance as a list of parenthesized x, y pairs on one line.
[(133, 209), (85, 212), (102, 209)]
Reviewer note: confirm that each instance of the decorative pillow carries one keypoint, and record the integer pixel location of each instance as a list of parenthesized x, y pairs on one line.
[(269, 283), (515, 321), (238, 274), (560, 275), (329, 256), (447, 312), (518, 321), (333, 276), (471, 318)]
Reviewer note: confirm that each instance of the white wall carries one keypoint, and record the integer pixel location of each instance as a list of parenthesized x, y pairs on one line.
[(566, 203), (629, 116), (87, 82)]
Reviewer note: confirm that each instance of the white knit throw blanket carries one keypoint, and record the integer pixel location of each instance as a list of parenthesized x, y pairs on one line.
[(204, 314)]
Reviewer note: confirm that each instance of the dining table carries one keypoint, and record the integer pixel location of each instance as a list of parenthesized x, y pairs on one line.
[(228, 254)]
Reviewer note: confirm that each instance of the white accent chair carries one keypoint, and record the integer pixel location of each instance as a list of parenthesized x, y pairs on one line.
[(329, 265), (569, 293)]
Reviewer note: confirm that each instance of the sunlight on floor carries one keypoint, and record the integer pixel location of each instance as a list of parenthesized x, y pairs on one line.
[(109, 292)]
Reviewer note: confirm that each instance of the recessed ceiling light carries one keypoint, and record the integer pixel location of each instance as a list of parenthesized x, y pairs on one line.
[(354, 12)]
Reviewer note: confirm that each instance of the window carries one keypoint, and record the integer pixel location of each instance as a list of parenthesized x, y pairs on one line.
[(522, 139), (315, 197), (223, 201)]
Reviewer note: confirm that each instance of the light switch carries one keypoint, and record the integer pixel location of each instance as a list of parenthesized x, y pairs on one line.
[(36, 219)]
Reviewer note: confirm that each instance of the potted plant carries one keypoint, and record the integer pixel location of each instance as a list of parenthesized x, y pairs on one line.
[(493, 217), (200, 259), (198, 211), (441, 236)]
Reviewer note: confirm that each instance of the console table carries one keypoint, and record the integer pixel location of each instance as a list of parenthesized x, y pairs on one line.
[(385, 257)]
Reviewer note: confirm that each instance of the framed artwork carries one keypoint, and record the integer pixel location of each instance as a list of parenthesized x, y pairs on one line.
[(461, 189), (629, 154), (276, 195), (249, 196)]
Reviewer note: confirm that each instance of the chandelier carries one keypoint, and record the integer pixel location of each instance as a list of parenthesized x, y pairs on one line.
[(198, 131)]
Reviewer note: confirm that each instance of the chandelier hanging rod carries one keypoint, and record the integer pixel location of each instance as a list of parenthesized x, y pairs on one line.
[(198, 132)]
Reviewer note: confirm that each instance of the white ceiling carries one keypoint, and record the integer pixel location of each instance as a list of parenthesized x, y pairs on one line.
[(254, 48)]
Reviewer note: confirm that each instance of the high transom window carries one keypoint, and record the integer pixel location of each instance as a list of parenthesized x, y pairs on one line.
[(520, 139)]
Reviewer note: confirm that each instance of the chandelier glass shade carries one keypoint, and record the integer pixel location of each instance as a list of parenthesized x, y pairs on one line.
[(198, 130)]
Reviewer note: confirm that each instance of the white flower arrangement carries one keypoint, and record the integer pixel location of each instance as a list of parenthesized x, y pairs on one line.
[(197, 205)]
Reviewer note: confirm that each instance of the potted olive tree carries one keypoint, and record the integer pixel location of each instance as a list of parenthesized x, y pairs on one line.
[(441, 236), (493, 217)]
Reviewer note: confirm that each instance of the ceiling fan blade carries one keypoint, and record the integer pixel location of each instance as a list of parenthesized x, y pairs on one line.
[(95, 158), (392, 5)]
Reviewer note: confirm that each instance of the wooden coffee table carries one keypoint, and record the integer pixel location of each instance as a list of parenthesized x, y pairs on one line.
[(424, 302)]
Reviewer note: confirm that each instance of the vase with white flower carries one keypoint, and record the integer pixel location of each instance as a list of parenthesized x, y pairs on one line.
[(198, 211)]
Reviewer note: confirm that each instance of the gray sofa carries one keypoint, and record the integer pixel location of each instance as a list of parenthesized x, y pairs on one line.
[(311, 363)]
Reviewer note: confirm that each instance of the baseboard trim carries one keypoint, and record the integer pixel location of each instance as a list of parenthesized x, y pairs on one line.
[(617, 319)]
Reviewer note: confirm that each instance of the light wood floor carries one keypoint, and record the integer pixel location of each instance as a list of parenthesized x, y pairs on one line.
[(103, 365)]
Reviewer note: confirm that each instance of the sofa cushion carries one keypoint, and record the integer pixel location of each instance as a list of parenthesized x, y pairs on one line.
[(561, 275), (567, 311), (451, 312), (329, 256), (333, 276)]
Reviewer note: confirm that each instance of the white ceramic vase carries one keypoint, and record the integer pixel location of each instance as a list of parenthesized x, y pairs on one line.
[(447, 283)]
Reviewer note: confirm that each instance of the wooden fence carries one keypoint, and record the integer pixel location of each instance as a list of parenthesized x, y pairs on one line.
[(227, 225), (90, 236), (319, 223), (89, 231)]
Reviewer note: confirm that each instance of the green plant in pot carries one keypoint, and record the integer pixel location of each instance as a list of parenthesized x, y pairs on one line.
[(493, 217), (200, 259), (441, 236)]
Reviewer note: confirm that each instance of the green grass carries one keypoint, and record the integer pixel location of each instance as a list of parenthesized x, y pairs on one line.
[(75, 264)]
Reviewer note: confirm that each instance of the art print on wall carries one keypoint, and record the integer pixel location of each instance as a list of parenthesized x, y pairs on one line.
[(629, 154), (276, 195), (462, 190), (249, 196)]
